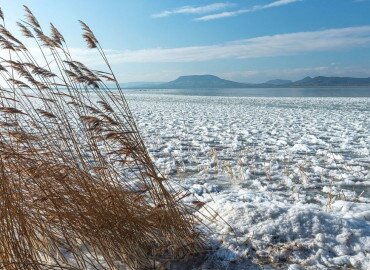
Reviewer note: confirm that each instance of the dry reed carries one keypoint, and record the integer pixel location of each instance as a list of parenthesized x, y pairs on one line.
[(78, 189)]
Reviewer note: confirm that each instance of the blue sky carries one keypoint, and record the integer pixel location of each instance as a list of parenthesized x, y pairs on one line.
[(245, 40)]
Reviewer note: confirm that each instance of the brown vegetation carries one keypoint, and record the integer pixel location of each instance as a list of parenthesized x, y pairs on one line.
[(78, 189)]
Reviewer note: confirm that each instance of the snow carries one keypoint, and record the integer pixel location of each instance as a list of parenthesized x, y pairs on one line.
[(285, 180), (262, 227)]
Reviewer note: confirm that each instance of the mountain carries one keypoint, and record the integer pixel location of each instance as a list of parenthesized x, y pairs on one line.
[(211, 81), (278, 82), (331, 81), (304, 80), (201, 81)]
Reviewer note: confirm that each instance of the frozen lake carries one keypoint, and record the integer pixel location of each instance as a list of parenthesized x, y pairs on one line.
[(309, 141), (291, 174), (266, 92)]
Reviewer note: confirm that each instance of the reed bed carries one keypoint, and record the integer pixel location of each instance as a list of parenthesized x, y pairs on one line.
[(78, 189)]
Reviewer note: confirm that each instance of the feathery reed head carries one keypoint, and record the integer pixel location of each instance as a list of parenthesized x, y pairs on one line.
[(88, 35), (25, 31), (31, 18), (56, 35)]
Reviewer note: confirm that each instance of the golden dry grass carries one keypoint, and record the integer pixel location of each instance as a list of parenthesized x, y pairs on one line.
[(78, 189)]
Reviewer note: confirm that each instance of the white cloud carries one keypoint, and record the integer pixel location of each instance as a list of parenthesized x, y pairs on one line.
[(234, 13), (193, 10), (265, 46), (277, 4)]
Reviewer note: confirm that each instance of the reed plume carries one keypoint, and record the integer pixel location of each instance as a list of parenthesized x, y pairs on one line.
[(78, 189)]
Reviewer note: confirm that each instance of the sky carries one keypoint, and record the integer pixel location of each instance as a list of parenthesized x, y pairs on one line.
[(241, 40)]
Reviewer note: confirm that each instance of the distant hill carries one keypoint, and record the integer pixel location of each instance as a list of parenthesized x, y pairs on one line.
[(331, 81), (201, 81), (211, 81)]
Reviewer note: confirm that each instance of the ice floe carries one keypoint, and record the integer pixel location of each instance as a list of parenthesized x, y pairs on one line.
[(285, 180)]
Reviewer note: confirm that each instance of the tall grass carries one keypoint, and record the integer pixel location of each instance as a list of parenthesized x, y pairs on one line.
[(78, 189)]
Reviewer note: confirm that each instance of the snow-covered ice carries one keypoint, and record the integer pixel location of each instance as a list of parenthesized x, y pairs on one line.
[(285, 180)]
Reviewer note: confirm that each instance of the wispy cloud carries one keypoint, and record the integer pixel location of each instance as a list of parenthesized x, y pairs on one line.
[(234, 13), (194, 9), (264, 46)]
